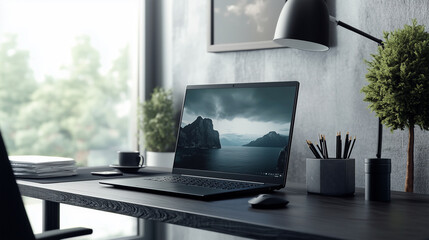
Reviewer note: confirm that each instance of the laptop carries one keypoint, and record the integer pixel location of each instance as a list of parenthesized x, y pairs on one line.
[(233, 139)]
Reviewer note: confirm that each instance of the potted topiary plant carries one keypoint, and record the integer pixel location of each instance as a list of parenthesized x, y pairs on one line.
[(398, 89), (156, 122)]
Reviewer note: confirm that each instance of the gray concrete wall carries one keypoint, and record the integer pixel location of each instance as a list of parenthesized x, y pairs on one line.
[(329, 99)]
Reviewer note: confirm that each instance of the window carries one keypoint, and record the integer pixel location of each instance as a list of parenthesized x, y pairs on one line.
[(66, 77), (68, 87)]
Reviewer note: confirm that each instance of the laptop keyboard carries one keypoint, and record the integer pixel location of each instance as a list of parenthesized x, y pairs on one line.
[(204, 182)]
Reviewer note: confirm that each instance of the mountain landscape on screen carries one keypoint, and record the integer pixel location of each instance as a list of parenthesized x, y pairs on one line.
[(202, 135), (271, 139), (199, 134), (241, 130)]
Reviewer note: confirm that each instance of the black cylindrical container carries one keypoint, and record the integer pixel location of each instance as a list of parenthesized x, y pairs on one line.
[(377, 179)]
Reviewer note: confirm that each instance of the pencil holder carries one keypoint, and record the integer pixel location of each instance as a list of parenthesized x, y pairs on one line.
[(333, 177)]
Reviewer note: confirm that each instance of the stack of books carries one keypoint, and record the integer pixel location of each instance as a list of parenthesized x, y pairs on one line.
[(31, 166)]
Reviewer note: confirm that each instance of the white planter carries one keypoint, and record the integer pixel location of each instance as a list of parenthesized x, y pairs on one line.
[(159, 159)]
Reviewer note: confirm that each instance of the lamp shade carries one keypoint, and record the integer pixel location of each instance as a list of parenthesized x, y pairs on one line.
[(303, 24)]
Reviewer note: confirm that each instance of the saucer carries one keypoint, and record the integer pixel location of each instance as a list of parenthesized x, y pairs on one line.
[(126, 169)]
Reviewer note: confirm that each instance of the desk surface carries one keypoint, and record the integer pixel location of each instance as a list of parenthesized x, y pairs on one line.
[(306, 217)]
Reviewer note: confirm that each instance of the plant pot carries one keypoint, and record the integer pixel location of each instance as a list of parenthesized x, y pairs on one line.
[(159, 159), (377, 179)]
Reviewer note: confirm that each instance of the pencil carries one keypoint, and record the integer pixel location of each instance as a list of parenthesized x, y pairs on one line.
[(320, 149), (326, 147), (350, 143), (346, 146), (351, 149), (338, 139), (311, 146), (308, 144), (314, 149), (341, 145), (321, 145)]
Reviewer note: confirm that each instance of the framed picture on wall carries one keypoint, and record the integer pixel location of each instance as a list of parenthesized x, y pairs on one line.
[(236, 25)]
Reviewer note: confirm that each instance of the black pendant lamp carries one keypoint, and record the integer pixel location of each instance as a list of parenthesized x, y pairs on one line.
[(303, 24)]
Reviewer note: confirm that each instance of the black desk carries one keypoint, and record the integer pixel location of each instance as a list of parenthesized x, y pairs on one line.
[(307, 217)]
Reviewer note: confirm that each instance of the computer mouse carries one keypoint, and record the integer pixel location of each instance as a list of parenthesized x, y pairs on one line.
[(266, 201)]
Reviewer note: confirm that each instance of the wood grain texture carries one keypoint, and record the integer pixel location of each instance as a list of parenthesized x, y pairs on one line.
[(306, 217)]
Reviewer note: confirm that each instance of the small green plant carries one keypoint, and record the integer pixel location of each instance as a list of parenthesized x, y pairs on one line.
[(156, 121), (398, 89)]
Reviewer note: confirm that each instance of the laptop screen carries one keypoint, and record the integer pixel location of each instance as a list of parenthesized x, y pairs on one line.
[(239, 129)]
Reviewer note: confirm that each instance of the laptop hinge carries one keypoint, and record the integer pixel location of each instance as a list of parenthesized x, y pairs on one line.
[(221, 179)]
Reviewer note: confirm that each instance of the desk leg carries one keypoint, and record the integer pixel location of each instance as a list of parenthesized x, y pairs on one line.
[(150, 230), (51, 215)]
